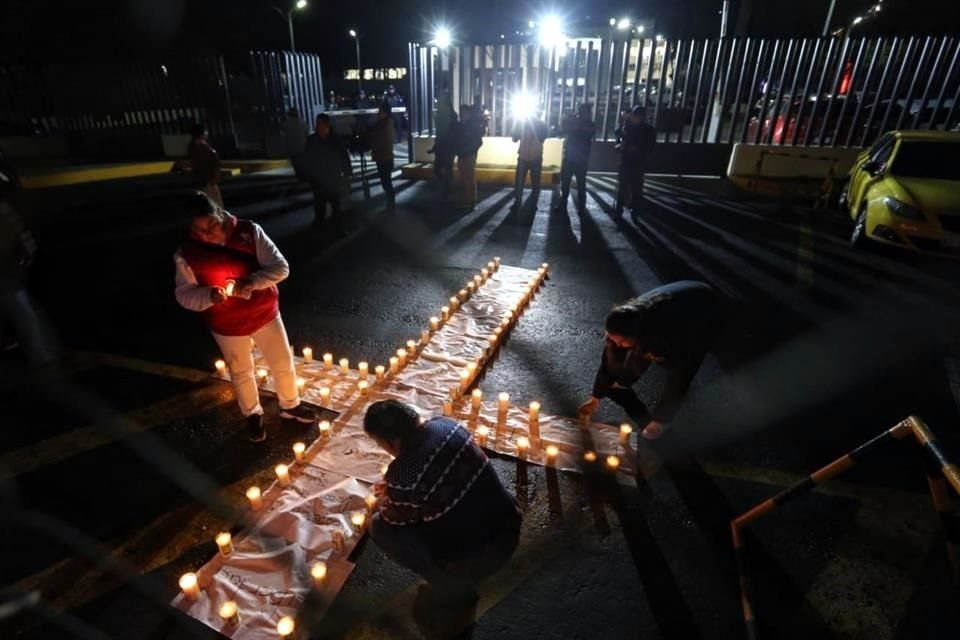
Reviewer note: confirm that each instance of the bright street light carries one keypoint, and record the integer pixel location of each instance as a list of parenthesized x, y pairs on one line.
[(442, 38), (659, 37), (301, 4), (524, 106), (356, 38), (353, 34), (623, 24), (639, 29), (858, 20), (551, 32), (613, 22)]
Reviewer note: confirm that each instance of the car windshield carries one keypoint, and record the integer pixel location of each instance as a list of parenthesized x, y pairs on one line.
[(935, 160)]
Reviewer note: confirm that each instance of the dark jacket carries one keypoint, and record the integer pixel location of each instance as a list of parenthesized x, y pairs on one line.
[(326, 162), (636, 141), (578, 136), (380, 140), (469, 136), (682, 323), (531, 135)]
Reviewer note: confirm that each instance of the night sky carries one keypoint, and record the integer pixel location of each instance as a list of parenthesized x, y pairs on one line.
[(32, 30)]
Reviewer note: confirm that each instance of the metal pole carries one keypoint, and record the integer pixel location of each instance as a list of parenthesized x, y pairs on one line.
[(356, 40), (826, 23), (290, 26), (724, 18)]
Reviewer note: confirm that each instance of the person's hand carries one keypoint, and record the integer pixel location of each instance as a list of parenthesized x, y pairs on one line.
[(589, 407), (654, 430), (243, 288), (218, 295)]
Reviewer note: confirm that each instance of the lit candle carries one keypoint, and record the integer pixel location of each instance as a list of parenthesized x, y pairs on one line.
[(477, 396), (533, 423), (552, 452), (324, 428), (505, 323), (319, 573), (224, 543), (286, 627), (358, 520), (448, 408), (463, 294), (325, 396), (464, 382), (471, 287), (590, 456), (477, 281), (362, 387), (328, 361), (283, 475), (380, 371), (545, 266), (301, 383), (444, 313), (190, 586), (484, 273), (298, 451), (424, 337), (454, 303), (344, 366), (493, 342), (523, 446), (231, 285), (262, 376), (503, 401), (625, 431), (220, 366), (434, 323), (496, 262), (491, 266), (498, 331), (229, 612), (364, 370), (256, 500), (307, 354), (337, 540), (472, 370), (534, 412), (613, 463), (371, 501), (481, 435), (402, 357)]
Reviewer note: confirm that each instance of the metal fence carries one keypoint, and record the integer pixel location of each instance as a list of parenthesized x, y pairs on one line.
[(802, 91)]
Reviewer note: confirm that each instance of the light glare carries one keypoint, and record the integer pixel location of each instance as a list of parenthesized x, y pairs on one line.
[(442, 38), (551, 32)]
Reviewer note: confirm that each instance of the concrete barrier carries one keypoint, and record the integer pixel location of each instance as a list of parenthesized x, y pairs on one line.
[(784, 170)]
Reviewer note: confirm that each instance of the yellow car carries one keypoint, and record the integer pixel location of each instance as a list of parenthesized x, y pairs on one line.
[(905, 191)]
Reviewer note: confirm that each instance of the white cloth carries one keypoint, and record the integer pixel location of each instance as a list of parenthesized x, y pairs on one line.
[(273, 269), (237, 352)]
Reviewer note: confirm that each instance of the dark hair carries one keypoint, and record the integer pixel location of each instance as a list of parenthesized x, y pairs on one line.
[(199, 204), (391, 420), (624, 320), (639, 110), (197, 131)]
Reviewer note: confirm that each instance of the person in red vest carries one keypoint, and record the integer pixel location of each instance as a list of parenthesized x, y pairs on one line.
[(222, 250)]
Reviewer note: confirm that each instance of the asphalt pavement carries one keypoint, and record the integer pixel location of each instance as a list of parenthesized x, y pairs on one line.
[(822, 348)]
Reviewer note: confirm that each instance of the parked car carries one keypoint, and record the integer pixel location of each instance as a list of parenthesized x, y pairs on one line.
[(905, 191)]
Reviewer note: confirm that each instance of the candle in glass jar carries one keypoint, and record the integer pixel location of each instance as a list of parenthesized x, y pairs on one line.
[(190, 586), (380, 371), (229, 612), (358, 520), (625, 431), (256, 500), (262, 375), (434, 323), (523, 446), (224, 543), (362, 387), (328, 361), (220, 366), (371, 501), (324, 428), (319, 573), (285, 628), (344, 366), (481, 435), (552, 450), (301, 383), (444, 313), (283, 475), (590, 456), (299, 449), (448, 408), (476, 397), (613, 463), (394, 364), (325, 396), (364, 370), (307, 354), (402, 357)]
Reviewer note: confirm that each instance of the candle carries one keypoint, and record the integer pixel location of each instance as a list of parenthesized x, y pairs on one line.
[(380, 371), (454, 391), (262, 375), (613, 463), (328, 361), (477, 281), (498, 331), (496, 262), (220, 366), (448, 408), (358, 520), (256, 500), (319, 573), (371, 501), (625, 431), (503, 401), (337, 540), (394, 364), (492, 267), (224, 543), (434, 323), (485, 273), (454, 303), (190, 586), (298, 451), (444, 313), (362, 387), (402, 357), (229, 612), (344, 366), (481, 435), (364, 370), (283, 475), (552, 452), (464, 382), (493, 342), (324, 428), (301, 383), (325, 396), (590, 456), (534, 412), (477, 396), (307, 354), (534, 421), (286, 627), (231, 285), (471, 287), (523, 446), (463, 294), (505, 323), (545, 266), (424, 337), (472, 370)]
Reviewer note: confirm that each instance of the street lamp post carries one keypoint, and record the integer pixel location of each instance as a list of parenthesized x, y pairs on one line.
[(301, 4), (356, 40)]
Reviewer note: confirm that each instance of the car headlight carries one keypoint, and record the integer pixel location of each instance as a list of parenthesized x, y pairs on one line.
[(902, 209)]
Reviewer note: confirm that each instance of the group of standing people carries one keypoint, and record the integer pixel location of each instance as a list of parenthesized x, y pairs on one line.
[(458, 136)]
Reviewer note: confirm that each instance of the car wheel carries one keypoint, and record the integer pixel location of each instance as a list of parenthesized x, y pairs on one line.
[(858, 237)]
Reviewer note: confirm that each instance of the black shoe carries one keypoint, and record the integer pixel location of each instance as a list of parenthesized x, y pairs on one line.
[(255, 430), (300, 413), (560, 206)]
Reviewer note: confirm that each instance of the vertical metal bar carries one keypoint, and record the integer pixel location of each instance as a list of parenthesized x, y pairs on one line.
[(864, 91), (608, 96), (801, 57), (934, 71), (918, 68), (685, 92), (638, 62), (953, 107), (907, 55), (778, 99), (429, 71), (696, 96), (625, 65), (711, 92), (748, 50), (564, 74), (841, 63), (892, 55), (735, 46), (768, 83), (761, 55), (850, 92), (551, 82), (586, 77), (817, 98), (575, 96), (805, 92), (943, 86), (675, 78), (660, 77)]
